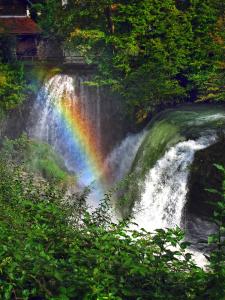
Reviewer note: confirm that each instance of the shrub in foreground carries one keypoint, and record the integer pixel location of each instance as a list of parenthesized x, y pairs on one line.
[(54, 249)]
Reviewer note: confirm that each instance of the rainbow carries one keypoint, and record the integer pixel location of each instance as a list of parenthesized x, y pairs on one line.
[(84, 139)]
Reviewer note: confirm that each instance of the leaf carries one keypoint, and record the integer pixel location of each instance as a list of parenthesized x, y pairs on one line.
[(213, 191), (220, 168), (211, 239)]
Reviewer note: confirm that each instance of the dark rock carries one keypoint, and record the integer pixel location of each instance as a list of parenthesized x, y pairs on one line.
[(204, 175), (198, 211)]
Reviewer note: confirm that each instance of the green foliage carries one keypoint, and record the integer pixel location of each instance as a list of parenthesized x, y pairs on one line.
[(29, 221), (52, 248), (153, 52), (50, 11), (36, 157), (207, 69), (42, 255), (12, 86)]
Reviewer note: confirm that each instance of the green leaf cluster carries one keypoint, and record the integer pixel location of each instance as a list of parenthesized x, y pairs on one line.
[(51, 247), (12, 86)]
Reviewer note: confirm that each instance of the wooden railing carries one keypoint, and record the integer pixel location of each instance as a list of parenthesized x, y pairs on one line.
[(64, 60), (74, 59)]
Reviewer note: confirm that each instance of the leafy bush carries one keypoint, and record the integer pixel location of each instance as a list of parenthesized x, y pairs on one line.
[(12, 86), (55, 249)]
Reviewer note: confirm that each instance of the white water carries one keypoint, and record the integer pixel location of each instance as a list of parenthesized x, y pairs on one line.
[(166, 185), (165, 188), (74, 90), (207, 118), (52, 91), (120, 160)]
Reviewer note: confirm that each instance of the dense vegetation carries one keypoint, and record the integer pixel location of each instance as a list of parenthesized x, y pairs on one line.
[(13, 87), (153, 52), (52, 248), (37, 157)]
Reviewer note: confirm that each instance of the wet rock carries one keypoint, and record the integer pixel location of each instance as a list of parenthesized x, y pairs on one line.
[(204, 175)]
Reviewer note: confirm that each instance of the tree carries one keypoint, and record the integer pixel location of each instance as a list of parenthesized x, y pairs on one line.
[(155, 53), (205, 71)]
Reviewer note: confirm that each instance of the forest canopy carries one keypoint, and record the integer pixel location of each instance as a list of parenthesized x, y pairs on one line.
[(152, 52)]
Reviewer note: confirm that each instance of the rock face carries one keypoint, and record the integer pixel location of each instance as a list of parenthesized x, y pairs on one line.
[(14, 123), (198, 211), (204, 175)]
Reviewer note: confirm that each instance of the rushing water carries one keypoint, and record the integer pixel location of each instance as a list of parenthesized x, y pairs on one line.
[(158, 190), (120, 160), (166, 185)]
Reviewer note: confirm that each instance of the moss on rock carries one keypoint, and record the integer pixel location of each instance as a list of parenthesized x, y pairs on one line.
[(37, 157)]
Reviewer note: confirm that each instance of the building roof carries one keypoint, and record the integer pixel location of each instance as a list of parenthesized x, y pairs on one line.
[(18, 26)]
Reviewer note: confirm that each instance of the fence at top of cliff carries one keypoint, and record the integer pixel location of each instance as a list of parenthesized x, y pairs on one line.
[(74, 59)]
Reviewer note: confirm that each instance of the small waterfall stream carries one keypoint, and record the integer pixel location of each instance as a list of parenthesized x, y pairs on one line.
[(166, 185)]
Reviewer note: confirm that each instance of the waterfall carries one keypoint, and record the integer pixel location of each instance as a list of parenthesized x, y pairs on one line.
[(120, 160), (165, 187), (53, 90), (73, 118), (70, 121), (75, 91), (98, 116)]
